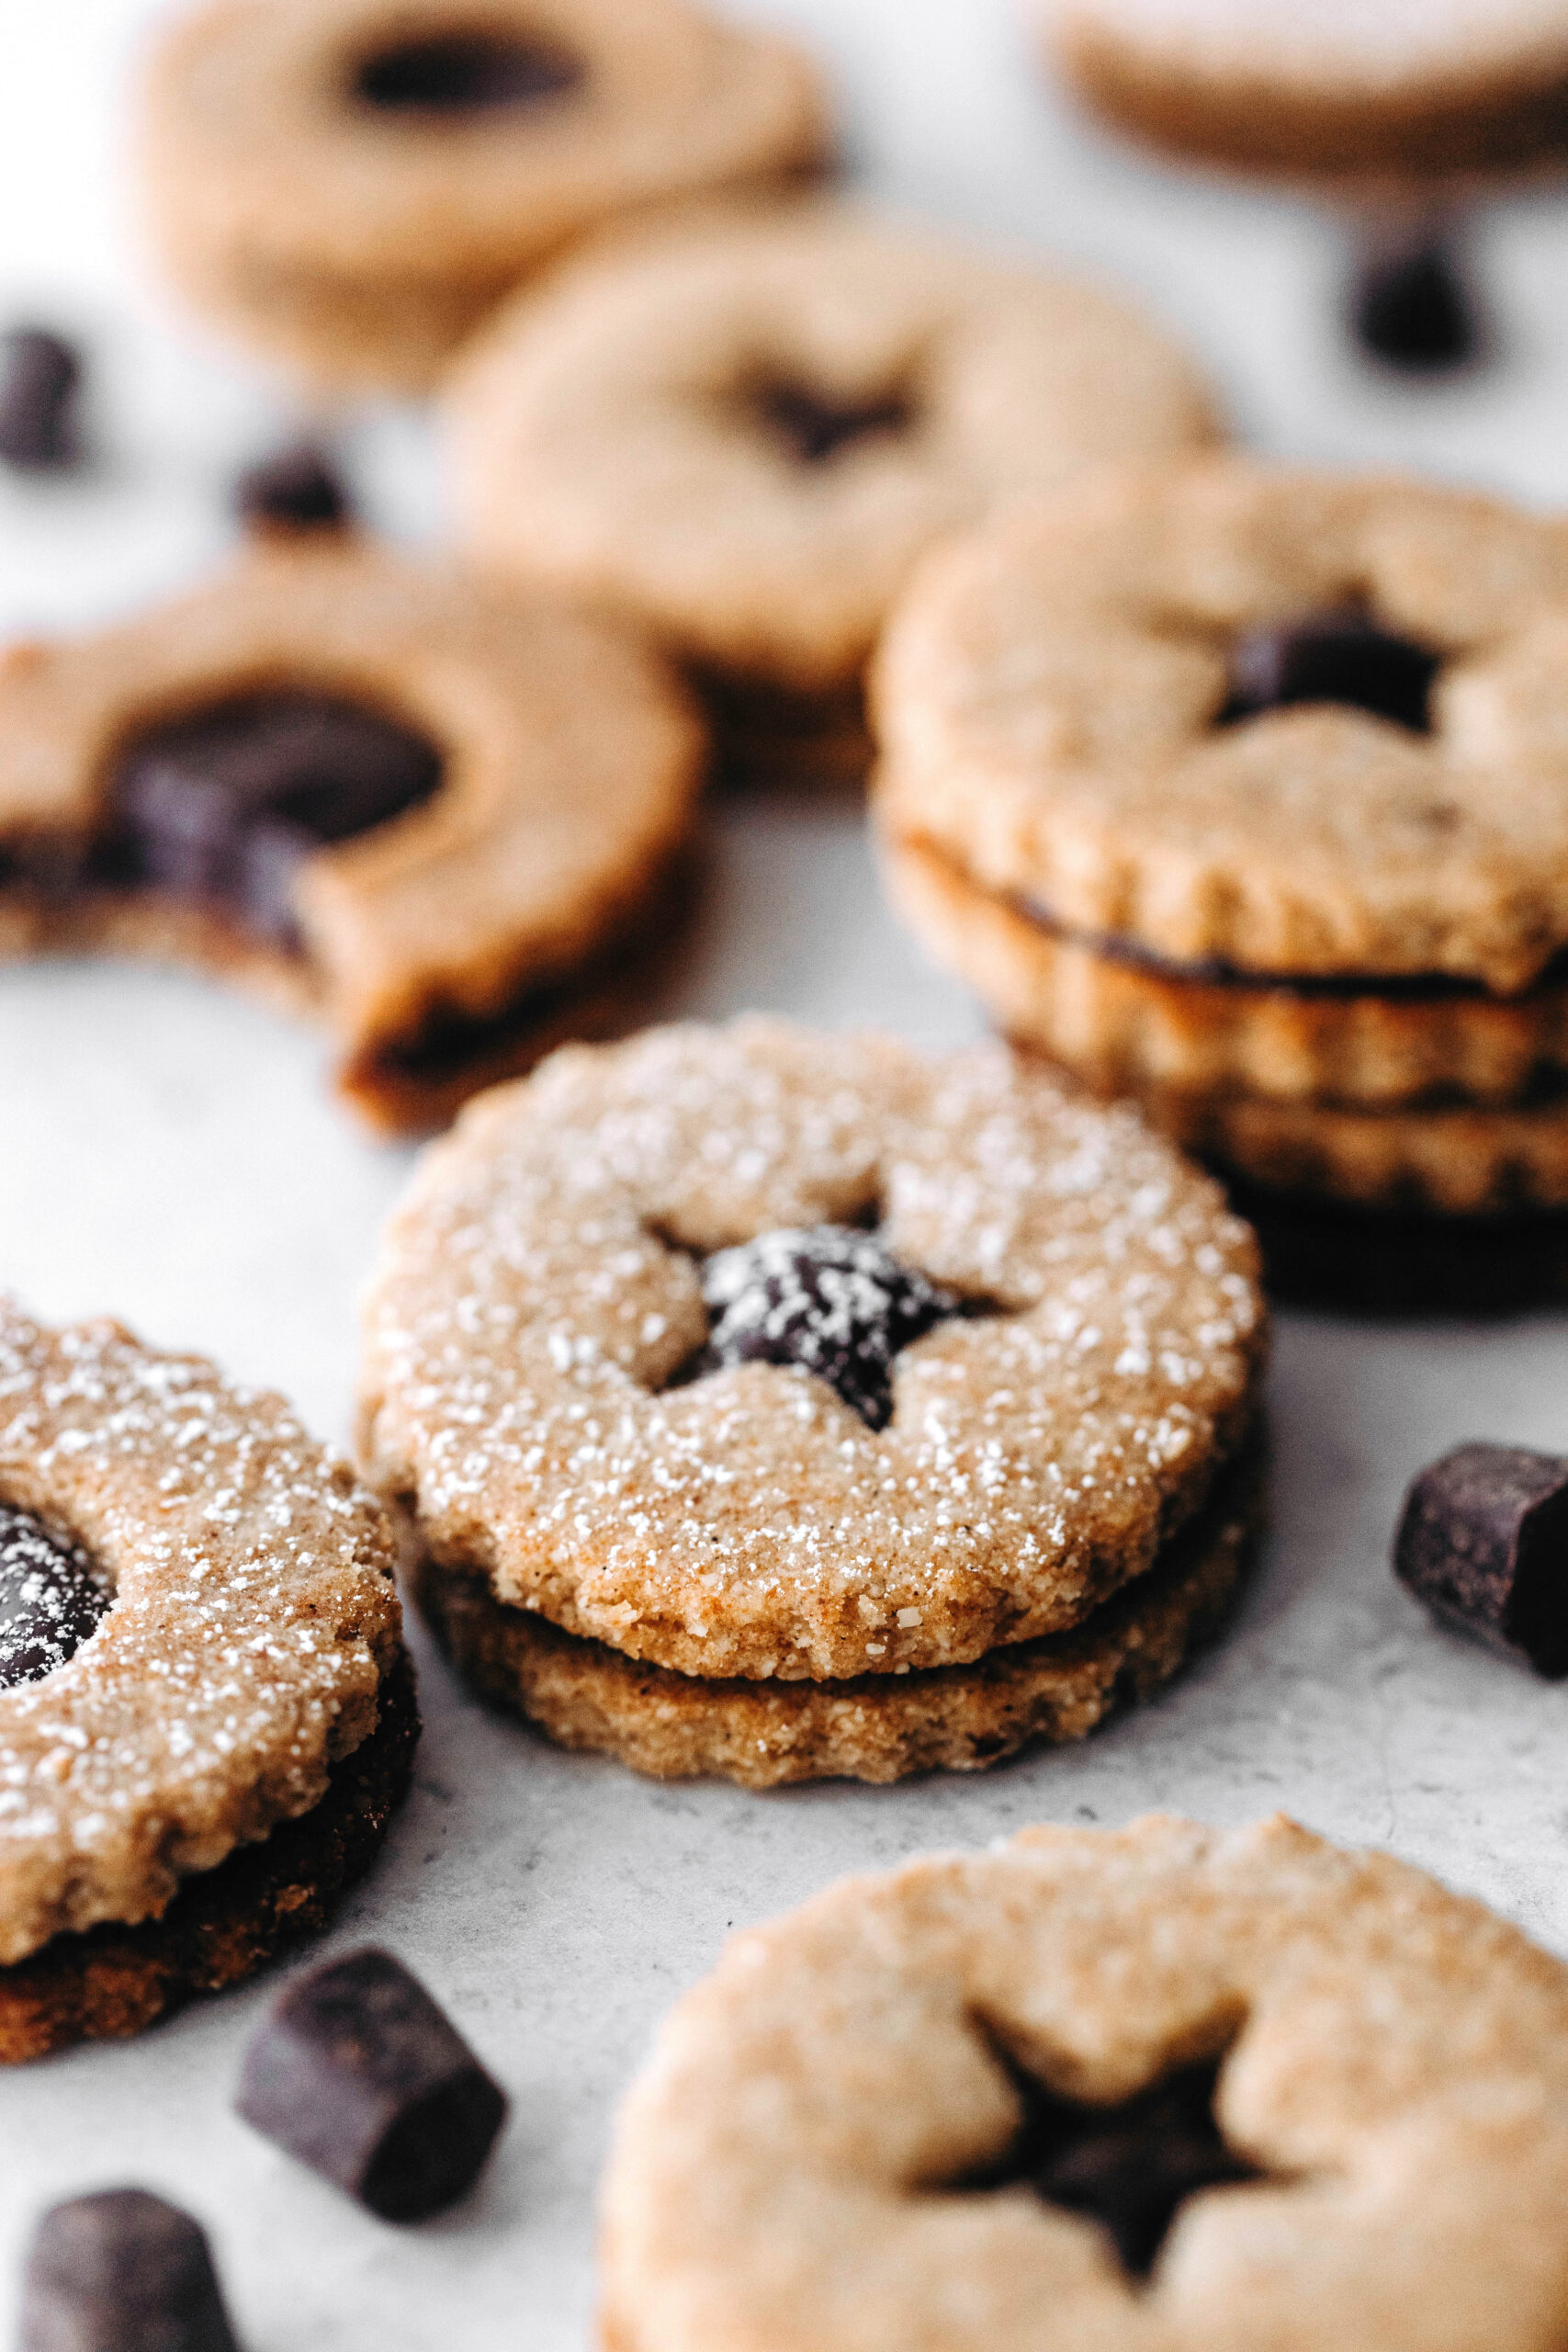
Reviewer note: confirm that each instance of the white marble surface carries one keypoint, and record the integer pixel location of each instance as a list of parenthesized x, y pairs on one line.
[(167, 1152)]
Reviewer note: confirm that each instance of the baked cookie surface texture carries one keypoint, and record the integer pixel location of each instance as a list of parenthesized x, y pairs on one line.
[(1420, 89), (349, 186), (747, 427), (732, 1516), (1191, 2090), (1242, 789), (206, 1713), (443, 820)]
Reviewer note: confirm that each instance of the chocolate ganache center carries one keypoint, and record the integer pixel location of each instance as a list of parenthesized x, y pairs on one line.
[(1130, 2167), (50, 1599), (225, 804), (466, 72), (812, 428), (1335, 656), (830, 1300)]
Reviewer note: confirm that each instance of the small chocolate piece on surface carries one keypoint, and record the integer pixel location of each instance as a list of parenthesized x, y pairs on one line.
[(1339, 657), (360, 2076), (465, 72), (122, 2272), (39, 376), (1410, 310), (228, 803), (830, 1298), (813, 429), (294, 490), (50, 1599), (1129, 2167), (1483, 1540)]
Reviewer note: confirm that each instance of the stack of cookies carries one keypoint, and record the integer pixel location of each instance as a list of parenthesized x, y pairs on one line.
[(783, 1406), (1244, 791)]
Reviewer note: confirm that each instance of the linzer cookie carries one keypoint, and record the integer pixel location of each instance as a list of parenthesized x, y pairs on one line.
[(1243, 789), (349, 186), (746, 428), (1169, 2086), (207, 1716), (444, 819), (782, 1404)]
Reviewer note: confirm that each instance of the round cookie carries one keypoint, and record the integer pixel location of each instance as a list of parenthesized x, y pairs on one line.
[(447, 821), (216, 1745), (1326, 87), (1172, 2086), (877, 1727), (746, 427), (350, 186), (1243, 789), (538, 1390)]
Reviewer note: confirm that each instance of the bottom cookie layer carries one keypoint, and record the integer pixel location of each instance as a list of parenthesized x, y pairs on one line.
[(876, 1727), (225, 1924), (1388, 1261)]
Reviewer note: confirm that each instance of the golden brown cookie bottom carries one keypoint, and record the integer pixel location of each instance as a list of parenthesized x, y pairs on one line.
[(225, 1924), (397, 1087), (877, 1727)]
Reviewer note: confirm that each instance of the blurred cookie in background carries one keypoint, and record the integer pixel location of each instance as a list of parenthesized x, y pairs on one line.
[(1404, 114), (347, 186), (1242, 789), (447, 821), (745, 429)]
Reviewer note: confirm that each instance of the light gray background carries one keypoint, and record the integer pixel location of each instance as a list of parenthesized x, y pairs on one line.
[(167, 1153)]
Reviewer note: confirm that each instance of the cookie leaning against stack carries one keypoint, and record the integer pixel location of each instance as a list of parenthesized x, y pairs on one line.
[(784, 1405), (1185, 2089), (1244, 790), (746, 428), (446, 820), (349, 188), (207, 1715)]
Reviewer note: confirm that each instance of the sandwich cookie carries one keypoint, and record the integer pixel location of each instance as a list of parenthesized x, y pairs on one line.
[(746, 428), (782, 1405), (207, 1716), (444, 821)]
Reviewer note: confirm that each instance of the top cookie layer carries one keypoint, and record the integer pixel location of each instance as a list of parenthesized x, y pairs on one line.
[(1049, 691), (571, 763), (540, 1285), (1373, 88), (646, 381), (255, 144), (786, 2170), (252, 1618)]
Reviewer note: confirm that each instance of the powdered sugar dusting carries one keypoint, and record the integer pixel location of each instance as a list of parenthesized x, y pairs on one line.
[(539, 1288), (252, 1616)]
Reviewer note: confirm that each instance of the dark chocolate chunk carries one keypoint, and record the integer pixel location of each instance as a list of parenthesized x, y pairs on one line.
[(360, 2076), (121, 2272), (1128, 2167), (1339, 657), (466, 72), (294, 490), (50, 1599), (829, 1298), (227, 803), (40, 375), (1410, 309), (813, 429), (1483, 1540)]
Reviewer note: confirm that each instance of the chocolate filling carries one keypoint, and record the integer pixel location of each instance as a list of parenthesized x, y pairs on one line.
[(1337, 657), (51, 1598), (476, 72), (226, 804), (1130, 2167), (40, 376), (811, 428)]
